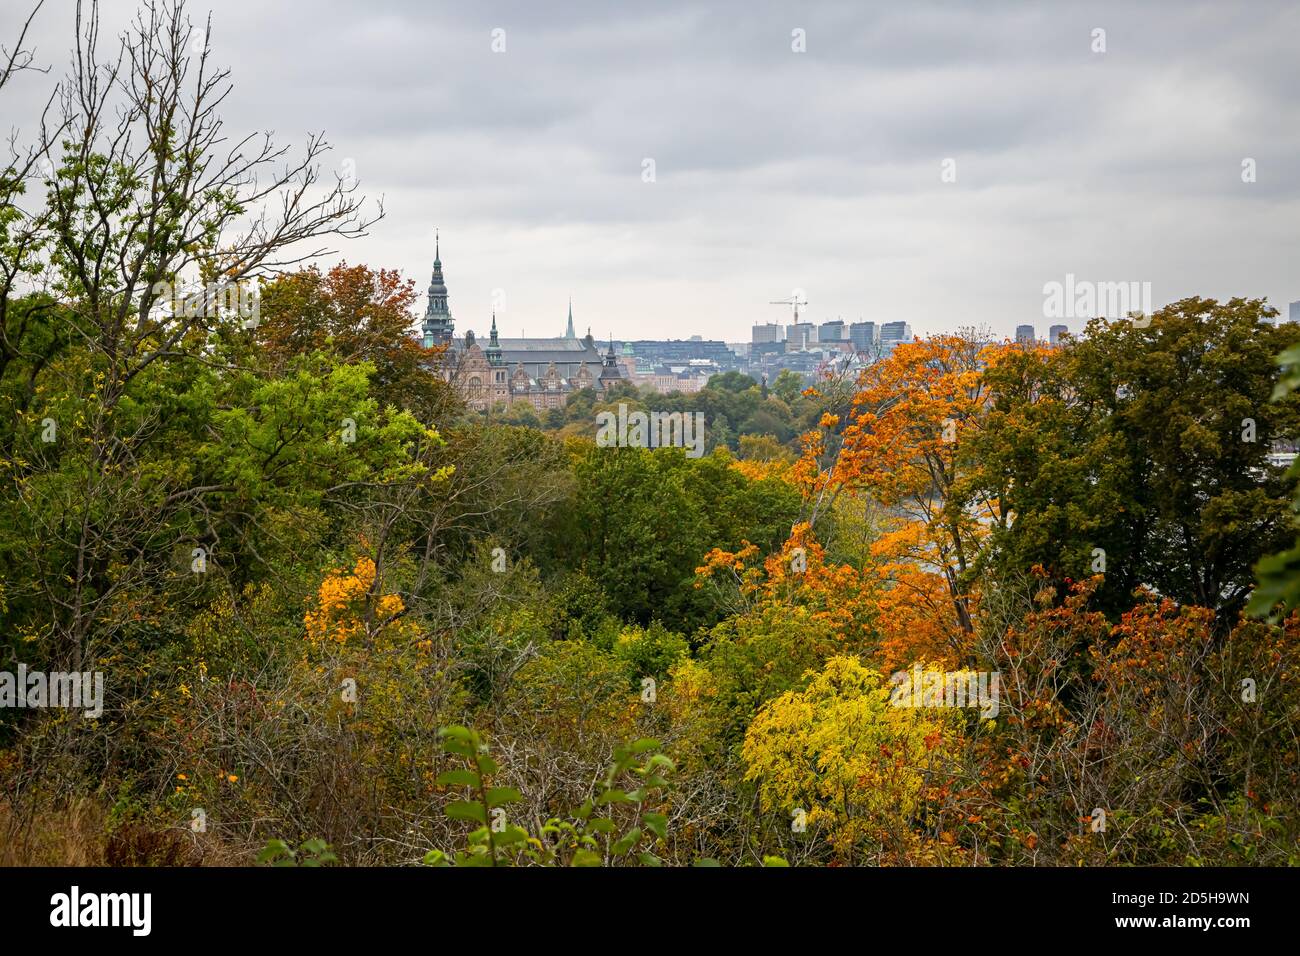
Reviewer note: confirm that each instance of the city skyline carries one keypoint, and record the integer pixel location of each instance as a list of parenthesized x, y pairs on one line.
[(776, 170)]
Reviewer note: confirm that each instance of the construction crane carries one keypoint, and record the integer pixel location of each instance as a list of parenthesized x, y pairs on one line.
[(794, 301)]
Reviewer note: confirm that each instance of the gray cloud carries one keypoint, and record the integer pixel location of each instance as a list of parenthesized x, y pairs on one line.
[(778, 170)]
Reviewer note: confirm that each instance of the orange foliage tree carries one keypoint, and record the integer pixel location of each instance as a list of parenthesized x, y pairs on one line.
[(836, 595), (350, 607), (361, 314), (901, 444)]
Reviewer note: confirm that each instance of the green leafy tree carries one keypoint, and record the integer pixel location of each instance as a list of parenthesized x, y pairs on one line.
[(1278, 574), (1148, 442)]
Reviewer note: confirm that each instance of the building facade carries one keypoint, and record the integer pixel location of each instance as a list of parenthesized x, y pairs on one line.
[(543, 372), (864, 336), (800, 336), (832, 331), (893, 333)]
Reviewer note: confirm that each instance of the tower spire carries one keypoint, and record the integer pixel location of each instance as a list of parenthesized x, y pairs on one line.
[(568, 332), (438, 326), (494, 346)]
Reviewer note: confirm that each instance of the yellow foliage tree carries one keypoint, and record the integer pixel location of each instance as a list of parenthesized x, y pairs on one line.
[(348, 608), (855, 763)]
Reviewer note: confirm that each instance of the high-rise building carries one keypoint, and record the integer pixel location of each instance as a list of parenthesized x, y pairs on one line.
[(1293, 312), (832, 331), (799, 336), (864, 336), (892, 333), (1055, 332), (768, 332), (1024, 334)]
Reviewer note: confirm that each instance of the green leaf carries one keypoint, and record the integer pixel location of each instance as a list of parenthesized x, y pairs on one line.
[(628, 841), (657, 824), (586, 858), (465, 810), (510, 836), (774, 861), (459, 778), (1279, 583), (459, 740), (499, 796), (273, 849)]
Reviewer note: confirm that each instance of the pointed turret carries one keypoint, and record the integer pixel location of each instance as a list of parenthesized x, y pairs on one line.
[(437, 326), (494, 347), (611, 373), (568, 332)]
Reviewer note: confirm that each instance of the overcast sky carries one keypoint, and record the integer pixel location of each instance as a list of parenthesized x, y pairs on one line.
[(776, 170)]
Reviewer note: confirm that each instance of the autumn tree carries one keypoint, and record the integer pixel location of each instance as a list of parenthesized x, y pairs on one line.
[(362, 315), (901, 442), (838, 751)]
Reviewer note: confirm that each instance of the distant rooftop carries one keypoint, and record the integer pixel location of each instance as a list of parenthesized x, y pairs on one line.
[(543, 345)]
